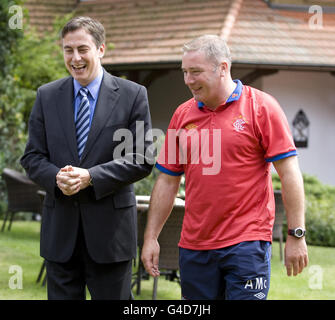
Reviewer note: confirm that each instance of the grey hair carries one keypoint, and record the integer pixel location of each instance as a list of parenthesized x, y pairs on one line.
[(215, 48)]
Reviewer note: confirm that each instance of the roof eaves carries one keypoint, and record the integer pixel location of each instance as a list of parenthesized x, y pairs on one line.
[(173, 64), (296, 7), (283, 66)]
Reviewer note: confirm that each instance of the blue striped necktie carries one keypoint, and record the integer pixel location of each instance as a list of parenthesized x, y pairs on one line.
[(82, 121)]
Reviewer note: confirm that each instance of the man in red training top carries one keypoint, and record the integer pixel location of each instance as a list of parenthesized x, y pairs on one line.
[(224, 140)]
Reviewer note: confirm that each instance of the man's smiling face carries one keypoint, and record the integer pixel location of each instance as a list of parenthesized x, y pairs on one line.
[(81, 56), (202, 77)]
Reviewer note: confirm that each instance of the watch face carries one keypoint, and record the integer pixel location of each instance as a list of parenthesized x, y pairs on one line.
[(299, 232)]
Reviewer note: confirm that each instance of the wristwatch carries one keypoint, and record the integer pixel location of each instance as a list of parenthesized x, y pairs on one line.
[(297, 232), (90, 183)]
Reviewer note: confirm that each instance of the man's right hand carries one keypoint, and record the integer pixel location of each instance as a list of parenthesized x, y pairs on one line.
[(150, 256), (68, 181)]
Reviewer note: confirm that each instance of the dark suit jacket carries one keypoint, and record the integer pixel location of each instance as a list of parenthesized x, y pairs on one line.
[(108, 209)]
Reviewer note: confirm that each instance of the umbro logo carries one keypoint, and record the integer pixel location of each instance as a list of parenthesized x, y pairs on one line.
[(259, 295)]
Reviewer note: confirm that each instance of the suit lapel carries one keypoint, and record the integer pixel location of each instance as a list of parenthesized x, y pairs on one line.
[(66, 115), (108, 97)]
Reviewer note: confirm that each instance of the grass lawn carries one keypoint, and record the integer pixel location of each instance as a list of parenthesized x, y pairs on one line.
[(20, 247)]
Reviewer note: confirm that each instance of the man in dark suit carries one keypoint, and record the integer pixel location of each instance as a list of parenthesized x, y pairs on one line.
[(88, 233)]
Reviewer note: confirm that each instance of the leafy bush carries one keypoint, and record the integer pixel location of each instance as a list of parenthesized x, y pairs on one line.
[(319, 198), (320, 210), (28, 61), (11, 102), (145, 186)]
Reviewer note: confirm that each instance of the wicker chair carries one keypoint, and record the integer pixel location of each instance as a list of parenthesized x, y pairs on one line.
[(42, 273), (169, 251), (277, 233), (168, 241), (142, 208), (22, 195)]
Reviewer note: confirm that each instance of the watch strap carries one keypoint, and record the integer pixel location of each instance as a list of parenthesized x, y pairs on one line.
[(297, 232)]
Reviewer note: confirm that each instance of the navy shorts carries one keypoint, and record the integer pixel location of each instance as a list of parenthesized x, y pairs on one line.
[(238, 272)]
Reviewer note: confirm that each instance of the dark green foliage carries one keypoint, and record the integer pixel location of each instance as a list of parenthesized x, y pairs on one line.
[(320, 210), (28, 61)]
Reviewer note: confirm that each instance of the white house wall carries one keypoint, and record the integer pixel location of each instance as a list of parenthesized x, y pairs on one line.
[(169, 91), (314, 93)]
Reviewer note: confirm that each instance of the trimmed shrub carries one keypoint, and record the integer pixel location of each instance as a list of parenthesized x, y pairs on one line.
[(320, 211)]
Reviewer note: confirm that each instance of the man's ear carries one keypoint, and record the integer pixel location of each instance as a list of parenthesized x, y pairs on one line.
[(101, 50), (224, 67)]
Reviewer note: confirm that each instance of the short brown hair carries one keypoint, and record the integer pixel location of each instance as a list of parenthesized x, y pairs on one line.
[(92, 26)]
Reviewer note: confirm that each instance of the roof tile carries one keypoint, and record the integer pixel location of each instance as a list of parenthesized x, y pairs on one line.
[(152, 31)]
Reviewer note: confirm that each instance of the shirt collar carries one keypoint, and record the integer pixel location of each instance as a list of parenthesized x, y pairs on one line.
[(233, 97), (93, 87)]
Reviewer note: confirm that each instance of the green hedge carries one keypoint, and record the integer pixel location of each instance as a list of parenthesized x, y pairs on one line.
[(320, 211), (145, 186), (320, 206), (28, 61)]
